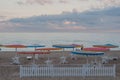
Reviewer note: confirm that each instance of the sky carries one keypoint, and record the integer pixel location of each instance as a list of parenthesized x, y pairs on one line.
[(59, 15)]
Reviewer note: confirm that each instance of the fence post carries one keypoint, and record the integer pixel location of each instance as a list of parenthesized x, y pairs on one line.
[(21, 71), (114, 70), (51, 69), (84, 71)]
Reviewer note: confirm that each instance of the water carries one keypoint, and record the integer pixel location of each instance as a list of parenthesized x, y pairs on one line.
[(48, 39)]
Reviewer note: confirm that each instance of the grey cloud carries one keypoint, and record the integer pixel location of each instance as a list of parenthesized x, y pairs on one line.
[(63, 1), (107, 19), (20, 2), (41, 2), (2, 16), (107, 3)]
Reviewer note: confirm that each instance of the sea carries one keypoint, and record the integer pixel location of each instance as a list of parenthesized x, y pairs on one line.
[(49, 39)]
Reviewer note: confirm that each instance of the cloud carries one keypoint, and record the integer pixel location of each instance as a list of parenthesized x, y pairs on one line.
[(99, 20), (99, 4), (41, 2), (64, 1), (69, 22), (106, 3), (111, 2), (79, 5), (2, 18)]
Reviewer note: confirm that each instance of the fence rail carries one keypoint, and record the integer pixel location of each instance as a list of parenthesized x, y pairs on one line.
[(67, 71)]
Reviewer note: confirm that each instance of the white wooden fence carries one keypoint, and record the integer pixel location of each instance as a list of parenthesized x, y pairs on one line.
[(67, 71)]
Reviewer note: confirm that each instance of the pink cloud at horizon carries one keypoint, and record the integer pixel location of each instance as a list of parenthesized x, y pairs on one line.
[(69, 22)]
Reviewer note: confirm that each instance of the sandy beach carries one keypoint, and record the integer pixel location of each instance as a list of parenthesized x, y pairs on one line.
[(9, 71)]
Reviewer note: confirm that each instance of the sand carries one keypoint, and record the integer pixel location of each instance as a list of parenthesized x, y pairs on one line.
[(9, 71)]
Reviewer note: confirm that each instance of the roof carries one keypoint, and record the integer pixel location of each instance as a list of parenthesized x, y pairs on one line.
[(106, 46), (48, 49), (67, 45), (87, 53), (96, 49), (33, 52)]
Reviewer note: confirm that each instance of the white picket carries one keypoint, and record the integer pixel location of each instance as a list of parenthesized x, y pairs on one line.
[(51, 71)]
